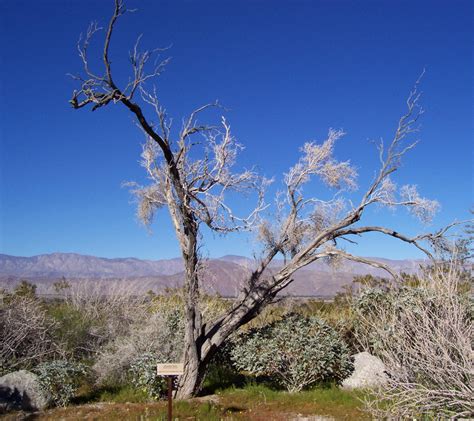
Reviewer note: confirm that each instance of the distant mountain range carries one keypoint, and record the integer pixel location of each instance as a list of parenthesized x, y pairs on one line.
[(221, 276)]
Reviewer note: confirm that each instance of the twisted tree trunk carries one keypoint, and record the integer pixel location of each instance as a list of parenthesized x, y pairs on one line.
[(202, 343)]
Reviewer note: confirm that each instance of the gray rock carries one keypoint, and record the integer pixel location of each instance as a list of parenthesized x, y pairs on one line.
[(369, 372), (21, 390)]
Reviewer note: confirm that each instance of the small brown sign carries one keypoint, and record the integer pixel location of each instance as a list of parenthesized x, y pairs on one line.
[(174, 369)]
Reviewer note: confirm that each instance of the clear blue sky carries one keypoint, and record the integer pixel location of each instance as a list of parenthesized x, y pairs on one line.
[(288, 70)]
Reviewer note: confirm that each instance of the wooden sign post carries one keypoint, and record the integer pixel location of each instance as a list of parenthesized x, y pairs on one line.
[(170, 371)]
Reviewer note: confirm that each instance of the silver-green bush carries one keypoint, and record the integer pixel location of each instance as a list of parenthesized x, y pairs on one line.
[(143, 375), (295, 352), (60, 379)]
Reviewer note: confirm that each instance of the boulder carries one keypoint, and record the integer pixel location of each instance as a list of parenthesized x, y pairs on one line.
[(21, 390), (369, 372)]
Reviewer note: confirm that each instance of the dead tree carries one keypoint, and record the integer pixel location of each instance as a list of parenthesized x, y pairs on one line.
[(302, 230)]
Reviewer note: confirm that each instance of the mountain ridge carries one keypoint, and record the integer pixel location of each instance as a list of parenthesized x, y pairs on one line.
[(223, 275)]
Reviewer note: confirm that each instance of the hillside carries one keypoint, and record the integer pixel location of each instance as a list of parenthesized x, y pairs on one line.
[(221, 276)]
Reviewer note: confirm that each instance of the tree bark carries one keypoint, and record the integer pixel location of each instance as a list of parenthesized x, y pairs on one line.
[(201, 348)]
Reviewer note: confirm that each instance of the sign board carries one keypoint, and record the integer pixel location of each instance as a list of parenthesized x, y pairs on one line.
[(174, 369)]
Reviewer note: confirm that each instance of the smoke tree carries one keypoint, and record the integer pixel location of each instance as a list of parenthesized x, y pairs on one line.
[(191, 173)]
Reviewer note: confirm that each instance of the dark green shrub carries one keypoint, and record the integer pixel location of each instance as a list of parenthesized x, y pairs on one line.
[(296, 352), (73, 330), (221, 372), (25, 289)]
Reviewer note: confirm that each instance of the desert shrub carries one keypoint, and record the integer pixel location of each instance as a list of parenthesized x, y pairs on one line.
[(74, 330), (92, 315), (365, 309), (60, 379), (296, 352), (144, 378), (159, 334), (26, 331), (423, 333), (338, 314), (110, 308), (60, 287), (210, 306), (154, 332), (25, 289)]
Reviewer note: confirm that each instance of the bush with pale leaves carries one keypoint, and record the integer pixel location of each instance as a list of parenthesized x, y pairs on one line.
[(296, 352)]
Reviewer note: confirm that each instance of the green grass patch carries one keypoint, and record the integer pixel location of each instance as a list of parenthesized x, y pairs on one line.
[(200, 411), (251, 402), (329, 401), (114, 394), (124, 395)]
